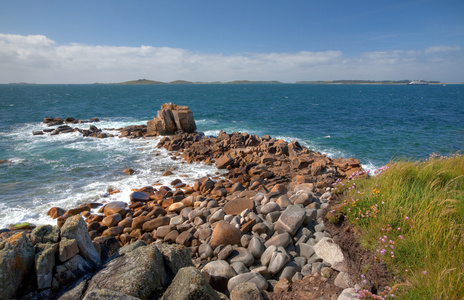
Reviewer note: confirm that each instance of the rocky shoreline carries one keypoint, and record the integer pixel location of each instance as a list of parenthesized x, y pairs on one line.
[(257, 232)]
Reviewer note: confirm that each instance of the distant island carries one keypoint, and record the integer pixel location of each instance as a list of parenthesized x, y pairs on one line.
[(405, 81), (147, 81)]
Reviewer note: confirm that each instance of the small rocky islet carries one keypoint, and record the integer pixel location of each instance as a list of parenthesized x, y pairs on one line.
[(258, 231)]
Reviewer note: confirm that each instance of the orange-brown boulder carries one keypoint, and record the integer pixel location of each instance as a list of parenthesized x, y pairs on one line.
[(75, 211), (155, 223), (225, 234), (115, 207), (176, 207), (56, 212), (138, 222), (129, 171), (112, 220), (236, 206), (140, 197)]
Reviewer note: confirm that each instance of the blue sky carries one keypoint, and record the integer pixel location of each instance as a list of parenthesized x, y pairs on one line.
[(112, 41)]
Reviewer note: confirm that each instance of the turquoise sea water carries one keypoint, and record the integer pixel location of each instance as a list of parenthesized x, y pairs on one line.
[(373, 123)]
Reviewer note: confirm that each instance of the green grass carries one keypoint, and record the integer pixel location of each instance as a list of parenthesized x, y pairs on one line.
[(418, 208)]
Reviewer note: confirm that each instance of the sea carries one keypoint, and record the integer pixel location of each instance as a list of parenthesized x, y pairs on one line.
[(373, 123)]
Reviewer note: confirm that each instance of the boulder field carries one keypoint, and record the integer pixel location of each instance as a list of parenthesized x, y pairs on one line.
[(246, 234)]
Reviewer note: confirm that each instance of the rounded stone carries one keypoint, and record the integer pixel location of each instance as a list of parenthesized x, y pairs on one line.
[(204, 233), (163, 231), (140, 196), (256, 247), (127, 222), (278, 240), (225, 252), (245, 240), (171, 236), (239, 267), (289, 270), (254, 277), (56, 212), (113, 231), (185, 238), (270, 207), (217, 216), (283, 201), (260, 228), (176, 207), (177, 220), (153, 224), (225, 234), (303, 198), (241, 254), (279, 188), (218, 273), (115, 207), (266, 256), (205, 251), (112, 220), (236, 206), (278, 260)]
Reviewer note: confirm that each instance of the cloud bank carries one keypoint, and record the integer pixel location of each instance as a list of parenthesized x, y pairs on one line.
[(39, 59)]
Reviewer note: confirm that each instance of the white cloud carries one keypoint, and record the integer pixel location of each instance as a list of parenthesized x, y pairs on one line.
[(39, 59), (440, 49)]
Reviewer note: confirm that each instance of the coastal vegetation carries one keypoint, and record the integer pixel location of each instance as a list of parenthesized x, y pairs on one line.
[(411, 215)]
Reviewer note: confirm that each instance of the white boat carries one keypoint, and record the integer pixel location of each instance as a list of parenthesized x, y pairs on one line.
[(418, 82)]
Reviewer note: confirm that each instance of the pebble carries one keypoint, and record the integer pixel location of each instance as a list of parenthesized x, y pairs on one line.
[(205, 251), (225, 252), (256, 247), (278, 260), (239, 267), (270, 207), (282, 239), (267, 254), (254, 277), (241, 254)]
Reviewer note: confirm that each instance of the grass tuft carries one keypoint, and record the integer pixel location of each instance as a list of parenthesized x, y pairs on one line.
[(412, 216)]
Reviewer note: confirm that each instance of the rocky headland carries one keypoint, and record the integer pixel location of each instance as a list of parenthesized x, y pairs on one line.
[(259, 231)]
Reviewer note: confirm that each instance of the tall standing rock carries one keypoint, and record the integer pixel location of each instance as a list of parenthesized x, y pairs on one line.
[(170, 119), (75, 228)]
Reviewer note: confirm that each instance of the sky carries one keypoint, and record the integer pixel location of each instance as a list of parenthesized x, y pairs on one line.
[(110, 41)]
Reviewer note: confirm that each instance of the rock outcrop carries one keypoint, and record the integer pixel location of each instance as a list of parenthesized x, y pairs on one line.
[(137, 273), (171, 119), (16, 260), (258, 225)]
